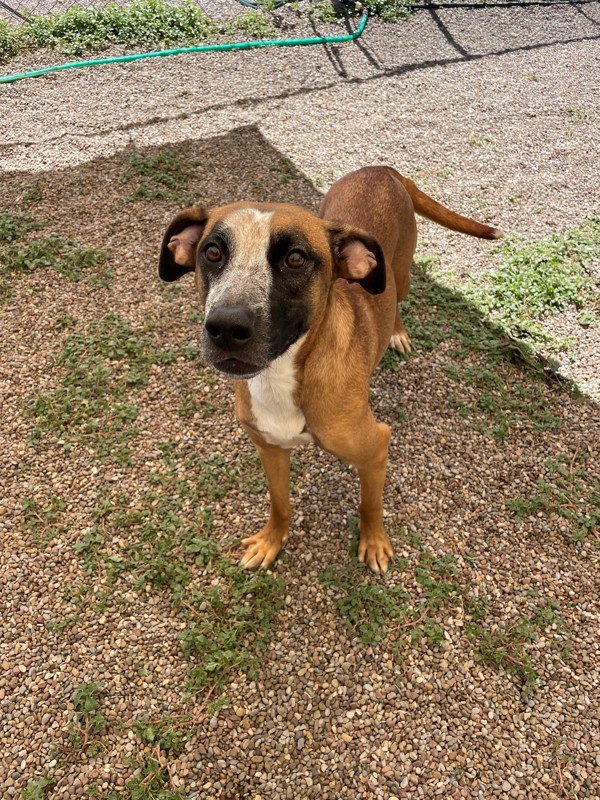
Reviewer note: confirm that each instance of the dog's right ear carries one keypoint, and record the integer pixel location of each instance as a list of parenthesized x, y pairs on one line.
[(180, 243)]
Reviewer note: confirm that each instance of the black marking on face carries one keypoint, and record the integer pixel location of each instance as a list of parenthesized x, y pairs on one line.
[(289, 299)]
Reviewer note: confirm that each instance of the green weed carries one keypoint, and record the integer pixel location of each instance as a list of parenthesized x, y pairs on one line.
[(537, 279), (64, 322), (145, 23), (255, 24), (506, 646), (20, 254), (63, 255), (44, 522), (170, 541), (16, 226), (230, 624), (91, 722), (36, 790), (164, 176), (91, 405), (390, 10), (142, 23), (495, 397), (501, 401), (373, 611), (366, 608), (578, 115), (165, 733), (572, 491), (324, 11), (286, 171), (34, 193), (391, 361), (58, 627)]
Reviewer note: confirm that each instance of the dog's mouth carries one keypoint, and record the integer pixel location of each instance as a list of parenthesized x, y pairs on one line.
[(234, 368)]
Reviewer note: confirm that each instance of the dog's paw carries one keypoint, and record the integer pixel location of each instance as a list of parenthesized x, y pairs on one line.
[(401, 342), (262, 549), (376, 552)]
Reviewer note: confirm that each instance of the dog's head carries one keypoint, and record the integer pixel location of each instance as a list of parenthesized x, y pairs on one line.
[(264, 273)]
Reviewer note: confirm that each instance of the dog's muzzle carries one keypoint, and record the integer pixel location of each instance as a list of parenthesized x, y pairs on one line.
[(231, 337)]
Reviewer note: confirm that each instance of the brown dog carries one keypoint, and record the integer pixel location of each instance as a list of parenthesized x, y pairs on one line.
[(300, 309)]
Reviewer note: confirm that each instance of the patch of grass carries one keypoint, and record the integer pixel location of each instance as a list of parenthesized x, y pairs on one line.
[(507, 646), (92, 405), (391, 361), (389, 10), (230, 624), (163, 540), (143, 22), (16, 226), (34, 193), (162, 740), (192, 404), (64, 322), (58, 627), (374, 611), (537, 279), (286, 171), (255, 24), (366, 608), (324, 11), (37, 790), (64, 255), (498, 401), (44, 522), (164, 176), (91, 722), (572, 491), (491, 393), (166, 733), (21, 254), (578, 115), (153, 780)]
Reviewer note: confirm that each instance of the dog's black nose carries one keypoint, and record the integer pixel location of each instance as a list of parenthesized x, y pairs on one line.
[(230, 327)]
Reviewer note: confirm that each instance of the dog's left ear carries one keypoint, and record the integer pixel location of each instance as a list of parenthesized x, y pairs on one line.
[(358, 257), (178, 250)]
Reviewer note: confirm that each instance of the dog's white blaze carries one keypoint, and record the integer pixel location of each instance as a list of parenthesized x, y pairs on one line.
[(247, 277), (277, 416)]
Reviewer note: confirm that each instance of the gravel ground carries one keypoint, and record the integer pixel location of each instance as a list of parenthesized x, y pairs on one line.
[(473, 105)]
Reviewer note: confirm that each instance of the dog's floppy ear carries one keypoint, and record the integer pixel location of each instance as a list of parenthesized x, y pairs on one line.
[(358, 257), (178, 250)]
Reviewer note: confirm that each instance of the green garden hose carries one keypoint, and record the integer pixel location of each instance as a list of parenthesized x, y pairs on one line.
[(208, 48)]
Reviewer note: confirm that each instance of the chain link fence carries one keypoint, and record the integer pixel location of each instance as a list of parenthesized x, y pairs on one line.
[(19, 10)]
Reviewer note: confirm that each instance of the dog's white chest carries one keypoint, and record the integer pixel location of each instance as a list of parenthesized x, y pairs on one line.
[(277, 416)]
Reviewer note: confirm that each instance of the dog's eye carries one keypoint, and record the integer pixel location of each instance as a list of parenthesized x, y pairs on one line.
[(295, 259), (213, 253)]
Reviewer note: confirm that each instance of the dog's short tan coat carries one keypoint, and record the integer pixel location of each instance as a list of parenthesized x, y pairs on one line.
[(363, 242)]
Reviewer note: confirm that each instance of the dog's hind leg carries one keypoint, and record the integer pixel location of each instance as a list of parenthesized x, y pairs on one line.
[(400, 340), (401, 264), (263, 548)]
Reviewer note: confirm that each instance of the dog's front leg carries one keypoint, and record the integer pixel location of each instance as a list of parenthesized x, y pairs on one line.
[(263, 548)]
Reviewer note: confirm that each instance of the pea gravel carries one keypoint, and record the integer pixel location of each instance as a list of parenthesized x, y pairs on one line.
[(474, 105)]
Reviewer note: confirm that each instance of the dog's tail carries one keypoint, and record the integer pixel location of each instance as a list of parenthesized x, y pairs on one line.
[(428, 207)]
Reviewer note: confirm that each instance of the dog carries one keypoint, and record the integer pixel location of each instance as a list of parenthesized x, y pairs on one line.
[(299, 310)]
